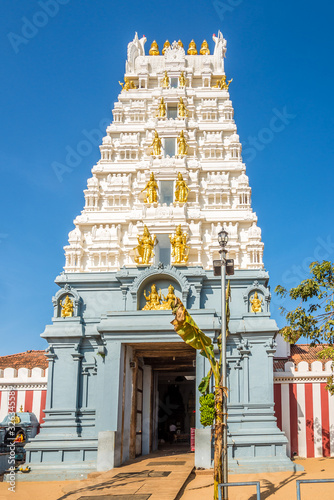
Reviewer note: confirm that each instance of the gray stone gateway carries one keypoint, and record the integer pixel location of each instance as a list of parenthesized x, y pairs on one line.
[(118, 373)]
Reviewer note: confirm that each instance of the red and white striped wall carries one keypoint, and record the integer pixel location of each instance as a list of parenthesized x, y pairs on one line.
[(304, 409), (29, 388)]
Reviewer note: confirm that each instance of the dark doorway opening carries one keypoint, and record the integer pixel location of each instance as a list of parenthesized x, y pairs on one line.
[(176, 414)]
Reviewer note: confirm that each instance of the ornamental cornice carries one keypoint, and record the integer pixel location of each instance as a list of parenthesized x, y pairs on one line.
[(299, 379), (22, 385)]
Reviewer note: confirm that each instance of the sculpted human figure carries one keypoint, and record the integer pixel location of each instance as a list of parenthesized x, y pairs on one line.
[(169, 299), (151, 193), (182, 80), (182, 145), (256, 303), (156, 145), (162, 109), (221, 84), (127, 85), (165, 81), (145, 247), (181, 189), (183, 112), (152, 299), (179, 246), (66, 308)]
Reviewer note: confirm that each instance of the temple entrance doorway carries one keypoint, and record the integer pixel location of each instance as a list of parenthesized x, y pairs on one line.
[(176, 413), (163, 396)]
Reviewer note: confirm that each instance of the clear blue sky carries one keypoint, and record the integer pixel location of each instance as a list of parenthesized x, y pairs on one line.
[(62, 78)]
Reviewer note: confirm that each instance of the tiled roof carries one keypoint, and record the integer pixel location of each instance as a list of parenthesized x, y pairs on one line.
[(298, 353), (28, 359)]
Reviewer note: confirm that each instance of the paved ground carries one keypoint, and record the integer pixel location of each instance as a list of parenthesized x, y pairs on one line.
[(275, 486), (159, 477), (168, 476)]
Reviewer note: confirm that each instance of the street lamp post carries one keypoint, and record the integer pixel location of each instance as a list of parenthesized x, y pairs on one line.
[(222, 240)]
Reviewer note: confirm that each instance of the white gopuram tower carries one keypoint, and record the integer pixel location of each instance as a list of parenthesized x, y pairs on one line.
[(170, 177), (106, 232)]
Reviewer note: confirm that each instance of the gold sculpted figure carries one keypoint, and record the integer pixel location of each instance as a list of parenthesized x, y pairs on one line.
[(151, 193), (66, 308), (180, 44), (256, 303), (156, 145), (162, 109), (181, 189), (182, 80), (221, 84), (205, 49), (165, 81), (180, 248), (152, 299), (192, 49), (145, 247), (169, 300), (127, 85), (182, 145), (183, 112), (165, 47), (154, 50)]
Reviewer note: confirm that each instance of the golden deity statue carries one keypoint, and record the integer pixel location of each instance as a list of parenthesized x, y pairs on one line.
[(182, 145), (181, 189), (169, 300), (152, 299), (66, 308), (165, 47), (180, 44), (145, 247), (156, 145), (162, 109), (183, 112), (180, 248), (151, 193), (192, 49), (127, 85), (165, 81), (15, 419), (205, 51), (222, 84), (182, 80), (154, 50), (256, 303)]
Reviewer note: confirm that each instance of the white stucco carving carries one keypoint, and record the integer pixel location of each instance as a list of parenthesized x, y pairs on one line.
[(115, 213)]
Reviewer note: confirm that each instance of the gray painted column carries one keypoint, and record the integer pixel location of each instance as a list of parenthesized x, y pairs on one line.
[(147, 410), (202, 435)]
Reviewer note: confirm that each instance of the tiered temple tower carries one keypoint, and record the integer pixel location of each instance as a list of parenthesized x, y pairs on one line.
[(115, 212), (170, 176)]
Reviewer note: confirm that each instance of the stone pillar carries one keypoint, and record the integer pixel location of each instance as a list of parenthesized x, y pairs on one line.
[(202, 435), (147, 410), (49, 399), (109, 400)]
